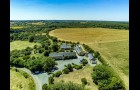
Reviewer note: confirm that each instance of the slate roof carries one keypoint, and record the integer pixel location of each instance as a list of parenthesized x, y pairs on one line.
[(90, 56), (65, 46), (78, 49), (62, 54)]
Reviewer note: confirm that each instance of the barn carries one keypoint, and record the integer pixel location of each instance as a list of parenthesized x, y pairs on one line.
[(79, 50), (65, 46), (63, 55), (91, 58)]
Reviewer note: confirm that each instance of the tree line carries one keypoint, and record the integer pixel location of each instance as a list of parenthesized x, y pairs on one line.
[(23, 58), (74, 24)]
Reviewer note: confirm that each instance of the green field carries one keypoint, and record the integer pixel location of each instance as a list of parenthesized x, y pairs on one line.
[(121, 53), (76, 76), (16, 27), (111, 43), (19, 45), (38, 23), (19, 82)]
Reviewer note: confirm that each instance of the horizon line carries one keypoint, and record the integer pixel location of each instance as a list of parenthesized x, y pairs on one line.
[(64, 20)]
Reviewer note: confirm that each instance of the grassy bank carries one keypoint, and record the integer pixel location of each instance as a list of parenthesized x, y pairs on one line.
[(20, 80)]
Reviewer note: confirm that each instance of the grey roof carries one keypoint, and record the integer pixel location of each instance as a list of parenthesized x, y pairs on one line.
[(90, 56), (94, 62), (78, 49), (65, 46), (62, 54)]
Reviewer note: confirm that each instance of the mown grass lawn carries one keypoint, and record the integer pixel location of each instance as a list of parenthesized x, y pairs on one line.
[(38, 23), (16, 27), (19, 45)]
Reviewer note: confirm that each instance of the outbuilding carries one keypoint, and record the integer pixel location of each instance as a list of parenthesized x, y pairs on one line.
[(65, 46), (63, 55), (91, 58), (79, 50)]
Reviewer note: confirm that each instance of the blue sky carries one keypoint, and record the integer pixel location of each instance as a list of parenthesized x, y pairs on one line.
[(112, 10)]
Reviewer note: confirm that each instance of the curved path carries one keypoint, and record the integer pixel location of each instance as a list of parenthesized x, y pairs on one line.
[(36, 80)]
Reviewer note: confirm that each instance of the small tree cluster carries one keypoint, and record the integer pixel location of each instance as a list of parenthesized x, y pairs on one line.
[(46, 53), (104, 77), (63, 86), (58, 73), (66, 70), (51, 80), (31, 38), (77, 66), (84, 81), (84, 62)]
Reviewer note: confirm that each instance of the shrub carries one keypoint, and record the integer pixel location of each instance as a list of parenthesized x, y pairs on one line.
[(105, 78), (84, 81), (55, 47), (45, 87), (29, 49), (96, 54), (26, 57), (84, 62), (102, 60), (24, 74), (65, 70), (69, 66), (41, 50), (18, 62), (19, 85), (35, 46), (33, 57), (73, 64), (46, 53), (27, 52), (65, 86), (16, 70), (46, 47), (77, 66), (58, 73), (50, 73), (51, 80), (31, 38)]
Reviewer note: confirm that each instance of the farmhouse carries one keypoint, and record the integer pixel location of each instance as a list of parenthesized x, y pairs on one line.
[(79, 50), (65, 47), (92, 59), (63, 55)]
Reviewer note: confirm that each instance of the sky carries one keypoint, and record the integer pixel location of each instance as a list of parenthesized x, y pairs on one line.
[(110, 10)]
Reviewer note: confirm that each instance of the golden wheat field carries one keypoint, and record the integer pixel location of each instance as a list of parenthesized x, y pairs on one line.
[(112, 44)]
